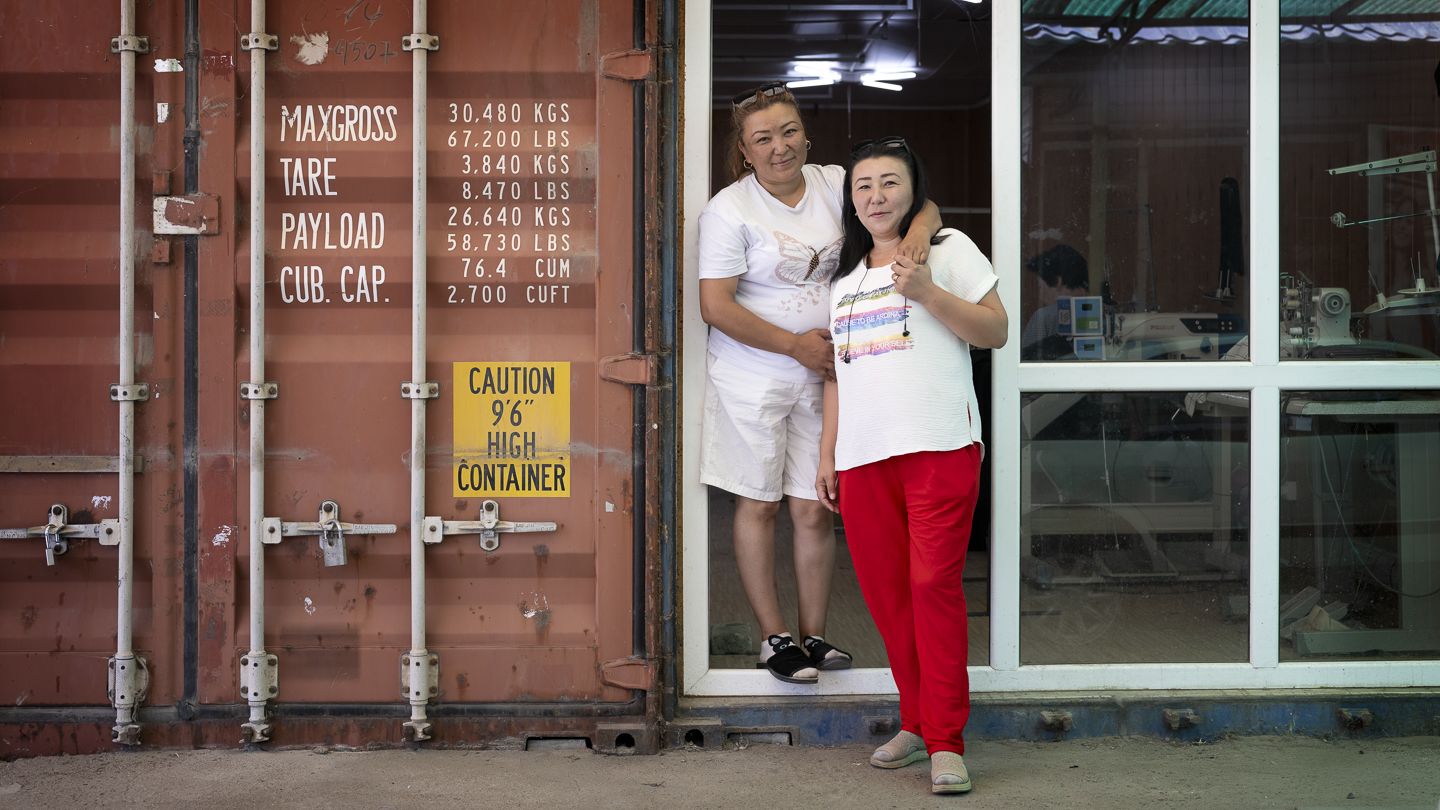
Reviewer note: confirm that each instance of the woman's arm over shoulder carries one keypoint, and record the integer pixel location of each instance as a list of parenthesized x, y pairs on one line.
[(964, 294)]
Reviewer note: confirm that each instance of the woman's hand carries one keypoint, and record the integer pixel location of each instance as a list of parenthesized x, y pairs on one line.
[(827, 486), (912, 279), (916, 245), (814, 351)]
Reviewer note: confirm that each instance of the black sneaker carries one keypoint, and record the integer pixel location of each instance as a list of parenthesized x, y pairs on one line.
[(788, 663), (820, 654)]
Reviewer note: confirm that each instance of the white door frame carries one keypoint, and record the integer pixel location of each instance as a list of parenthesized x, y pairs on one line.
[(1263, 376)]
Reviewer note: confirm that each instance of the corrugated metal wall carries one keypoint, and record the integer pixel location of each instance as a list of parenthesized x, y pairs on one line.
[(531, 314)]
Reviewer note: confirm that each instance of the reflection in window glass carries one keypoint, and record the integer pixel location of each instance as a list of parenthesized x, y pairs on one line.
[(1134, 528), (1134, 125), (1359, 236), (1359, 560)]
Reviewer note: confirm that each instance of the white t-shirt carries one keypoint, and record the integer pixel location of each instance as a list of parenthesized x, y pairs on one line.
[(900, 394), (784, 257)]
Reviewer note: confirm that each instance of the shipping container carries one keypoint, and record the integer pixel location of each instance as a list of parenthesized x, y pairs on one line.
[(384, 288)]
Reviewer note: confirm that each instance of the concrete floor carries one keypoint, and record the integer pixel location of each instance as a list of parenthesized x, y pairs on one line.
[(1118, 773)]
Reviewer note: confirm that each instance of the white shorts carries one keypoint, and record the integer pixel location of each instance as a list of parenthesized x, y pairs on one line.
[(760, 437)]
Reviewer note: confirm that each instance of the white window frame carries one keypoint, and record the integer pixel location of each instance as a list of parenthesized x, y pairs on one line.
[(1263, 376)]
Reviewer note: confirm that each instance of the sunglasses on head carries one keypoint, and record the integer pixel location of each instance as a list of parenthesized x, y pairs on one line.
[(749, 97), (885, 144)]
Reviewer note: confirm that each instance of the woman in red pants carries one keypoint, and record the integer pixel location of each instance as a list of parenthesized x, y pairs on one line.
[(902, 428)]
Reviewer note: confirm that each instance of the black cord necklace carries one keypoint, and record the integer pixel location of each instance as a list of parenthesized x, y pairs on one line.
[(850, 317)]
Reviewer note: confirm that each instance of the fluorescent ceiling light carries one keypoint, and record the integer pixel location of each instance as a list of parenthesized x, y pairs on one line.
[(891, 76), (821, 82), (880, 85)]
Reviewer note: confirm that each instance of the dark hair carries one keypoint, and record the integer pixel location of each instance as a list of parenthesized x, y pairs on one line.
[(760, 98), (1062, 264), (858, 241)]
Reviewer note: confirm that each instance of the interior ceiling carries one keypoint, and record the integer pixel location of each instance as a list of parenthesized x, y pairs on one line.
[(947, 42)]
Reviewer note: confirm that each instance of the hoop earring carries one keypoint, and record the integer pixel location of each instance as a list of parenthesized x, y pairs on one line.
[(807, 144), (747, 163)]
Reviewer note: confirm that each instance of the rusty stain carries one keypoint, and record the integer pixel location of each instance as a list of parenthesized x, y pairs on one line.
[(463, 682), (339, 586), (542, 552), (27, 617)]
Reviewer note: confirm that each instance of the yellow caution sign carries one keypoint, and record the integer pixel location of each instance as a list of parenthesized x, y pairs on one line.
[(512, 430)]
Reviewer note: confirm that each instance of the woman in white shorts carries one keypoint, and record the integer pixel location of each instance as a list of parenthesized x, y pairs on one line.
[(769, 243)]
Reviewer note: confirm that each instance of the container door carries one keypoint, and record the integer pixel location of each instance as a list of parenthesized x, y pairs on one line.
[(59, 350), (530, 285)]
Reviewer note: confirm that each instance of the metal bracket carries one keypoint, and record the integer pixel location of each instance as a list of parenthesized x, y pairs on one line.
[(433, 530), (419, 684), (190, 214), (129, 681), (632, 65), (631, 369), (629, 673), (328, 526), (264, 390), (138, 392), (259, 42), (419, 390), (1404, 164), (130, 43), (489, 526), (259, 677), (129, 685), (58, 531), (423, 42), (419, 677)]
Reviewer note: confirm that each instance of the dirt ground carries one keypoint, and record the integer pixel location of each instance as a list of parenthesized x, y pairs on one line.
[(1246, 772)]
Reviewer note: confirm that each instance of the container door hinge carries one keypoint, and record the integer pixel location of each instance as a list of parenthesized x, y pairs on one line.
[(633, 65), (629, 673), (489, 527), (630, 369), (129, 685), (187, 214), (328, 526), (58, 532)]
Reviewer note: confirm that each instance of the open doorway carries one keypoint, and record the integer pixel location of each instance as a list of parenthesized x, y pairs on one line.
[(915, 68)]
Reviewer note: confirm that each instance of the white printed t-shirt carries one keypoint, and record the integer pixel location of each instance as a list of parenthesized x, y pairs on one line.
[(899, 394), (784, 257)]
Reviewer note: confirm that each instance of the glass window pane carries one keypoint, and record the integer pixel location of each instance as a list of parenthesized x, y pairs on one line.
[(1134, 530), (1135, 121), (1360, 518), (1359, 235)]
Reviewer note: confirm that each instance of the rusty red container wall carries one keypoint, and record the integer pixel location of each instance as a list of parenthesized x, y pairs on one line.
[(547, 176), (59, 339), (527, 146)]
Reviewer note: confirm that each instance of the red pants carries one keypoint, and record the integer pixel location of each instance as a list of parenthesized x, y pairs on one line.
[(907, 523)]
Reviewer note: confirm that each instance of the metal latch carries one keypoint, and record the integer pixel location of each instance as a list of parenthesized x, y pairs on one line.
[(328, 526), (58, 531), (489, 527)]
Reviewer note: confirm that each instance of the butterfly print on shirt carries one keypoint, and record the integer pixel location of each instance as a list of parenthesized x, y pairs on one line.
[(802, 264)]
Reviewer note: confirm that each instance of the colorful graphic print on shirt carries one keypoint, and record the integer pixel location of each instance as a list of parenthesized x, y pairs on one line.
[(871, 323)]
